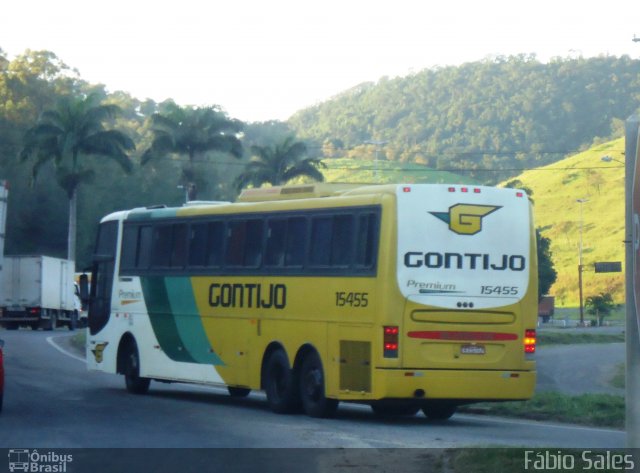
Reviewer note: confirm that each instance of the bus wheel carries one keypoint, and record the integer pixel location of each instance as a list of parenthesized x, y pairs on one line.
[(238, 392), (278, 383), (439, 410), (391, 410), (314, 402), (135, 384)]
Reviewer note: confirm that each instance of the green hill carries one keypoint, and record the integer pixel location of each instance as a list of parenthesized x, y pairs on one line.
[(556, 189), (495, 115)]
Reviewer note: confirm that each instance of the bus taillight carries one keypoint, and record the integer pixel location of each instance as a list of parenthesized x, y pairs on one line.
[(530, 341), (391, 336)]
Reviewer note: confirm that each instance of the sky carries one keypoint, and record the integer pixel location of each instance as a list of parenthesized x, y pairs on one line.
[(261, 60)]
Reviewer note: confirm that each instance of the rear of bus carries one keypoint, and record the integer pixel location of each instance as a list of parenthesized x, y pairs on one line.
[(467, 275)]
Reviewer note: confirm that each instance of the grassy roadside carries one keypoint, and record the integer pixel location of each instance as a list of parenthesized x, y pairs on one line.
[(572, 338), (79, 340), (599, 410)]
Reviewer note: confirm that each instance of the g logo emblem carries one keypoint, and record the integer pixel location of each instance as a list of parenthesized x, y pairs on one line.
[(465, 219), (99, 349)]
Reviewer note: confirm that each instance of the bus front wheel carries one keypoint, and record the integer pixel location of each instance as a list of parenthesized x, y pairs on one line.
[(135, 384), (314, 401), (279, 384)]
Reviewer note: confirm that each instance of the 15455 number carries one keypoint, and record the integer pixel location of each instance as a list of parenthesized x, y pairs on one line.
[(500, 290), (352, 299)]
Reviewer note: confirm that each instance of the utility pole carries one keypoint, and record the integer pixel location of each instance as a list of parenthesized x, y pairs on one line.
[(378, 144), (580, 265)]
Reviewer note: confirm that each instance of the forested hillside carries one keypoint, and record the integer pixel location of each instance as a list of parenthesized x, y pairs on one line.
[(496, 117)]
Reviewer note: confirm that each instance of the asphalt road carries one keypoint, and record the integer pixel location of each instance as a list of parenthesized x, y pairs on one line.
[(52, 401), (578, 369), (581, 368)]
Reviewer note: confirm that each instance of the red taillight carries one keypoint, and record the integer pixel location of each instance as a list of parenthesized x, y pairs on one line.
[(34, 310), (530, 341), (390, 341)]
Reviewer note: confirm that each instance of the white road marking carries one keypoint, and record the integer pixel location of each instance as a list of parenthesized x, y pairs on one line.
[(51, 342)]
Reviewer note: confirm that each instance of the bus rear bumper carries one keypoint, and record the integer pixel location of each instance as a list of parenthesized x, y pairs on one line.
[(471, 385)]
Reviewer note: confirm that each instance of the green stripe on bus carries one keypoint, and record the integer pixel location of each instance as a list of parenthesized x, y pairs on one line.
[(162, 320), (188, 321)]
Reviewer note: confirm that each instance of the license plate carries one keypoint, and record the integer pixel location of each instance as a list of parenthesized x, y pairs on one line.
[(473, 350)]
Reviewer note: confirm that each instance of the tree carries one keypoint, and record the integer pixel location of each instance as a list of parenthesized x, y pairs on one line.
[(278, 164), (547, 274), (68, 135), (192, 132), (600, 305)]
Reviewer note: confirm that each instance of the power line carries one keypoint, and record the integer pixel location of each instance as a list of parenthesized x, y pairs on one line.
[(405, 170)]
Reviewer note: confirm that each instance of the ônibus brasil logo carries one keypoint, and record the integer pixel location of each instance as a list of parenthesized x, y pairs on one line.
[(465, 219)]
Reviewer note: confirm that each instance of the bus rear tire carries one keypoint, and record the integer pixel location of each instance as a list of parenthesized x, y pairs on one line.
[(439, 410), (135, 384), (279, 384), (314, 401)]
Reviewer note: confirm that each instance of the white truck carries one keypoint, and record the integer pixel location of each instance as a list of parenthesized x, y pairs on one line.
[(39, 292)]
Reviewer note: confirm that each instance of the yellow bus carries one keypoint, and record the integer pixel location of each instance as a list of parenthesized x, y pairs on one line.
[(403, 297)]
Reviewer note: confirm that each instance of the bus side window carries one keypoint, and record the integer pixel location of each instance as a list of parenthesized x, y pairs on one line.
[(161, 250), (215, 244), (276, 240), (129, 247), (179, 246), (296, 242), (198, 244), (366, 240), (320, 249), (144, 247), (342, 241), (253, 244)]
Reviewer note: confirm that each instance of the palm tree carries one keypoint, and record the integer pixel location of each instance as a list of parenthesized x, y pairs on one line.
[(278, 164), (67, 135), (600, 306), (192, 132)]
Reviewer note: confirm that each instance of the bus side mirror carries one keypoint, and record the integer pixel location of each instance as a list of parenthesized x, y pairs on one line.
[(84, 289)]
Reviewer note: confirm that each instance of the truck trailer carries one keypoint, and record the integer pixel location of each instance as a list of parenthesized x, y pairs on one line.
[(39, 292)]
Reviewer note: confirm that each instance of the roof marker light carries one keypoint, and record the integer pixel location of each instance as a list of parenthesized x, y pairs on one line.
[(406, 189), (519, 194), (452, 189), (476, 190), (464, 189)]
